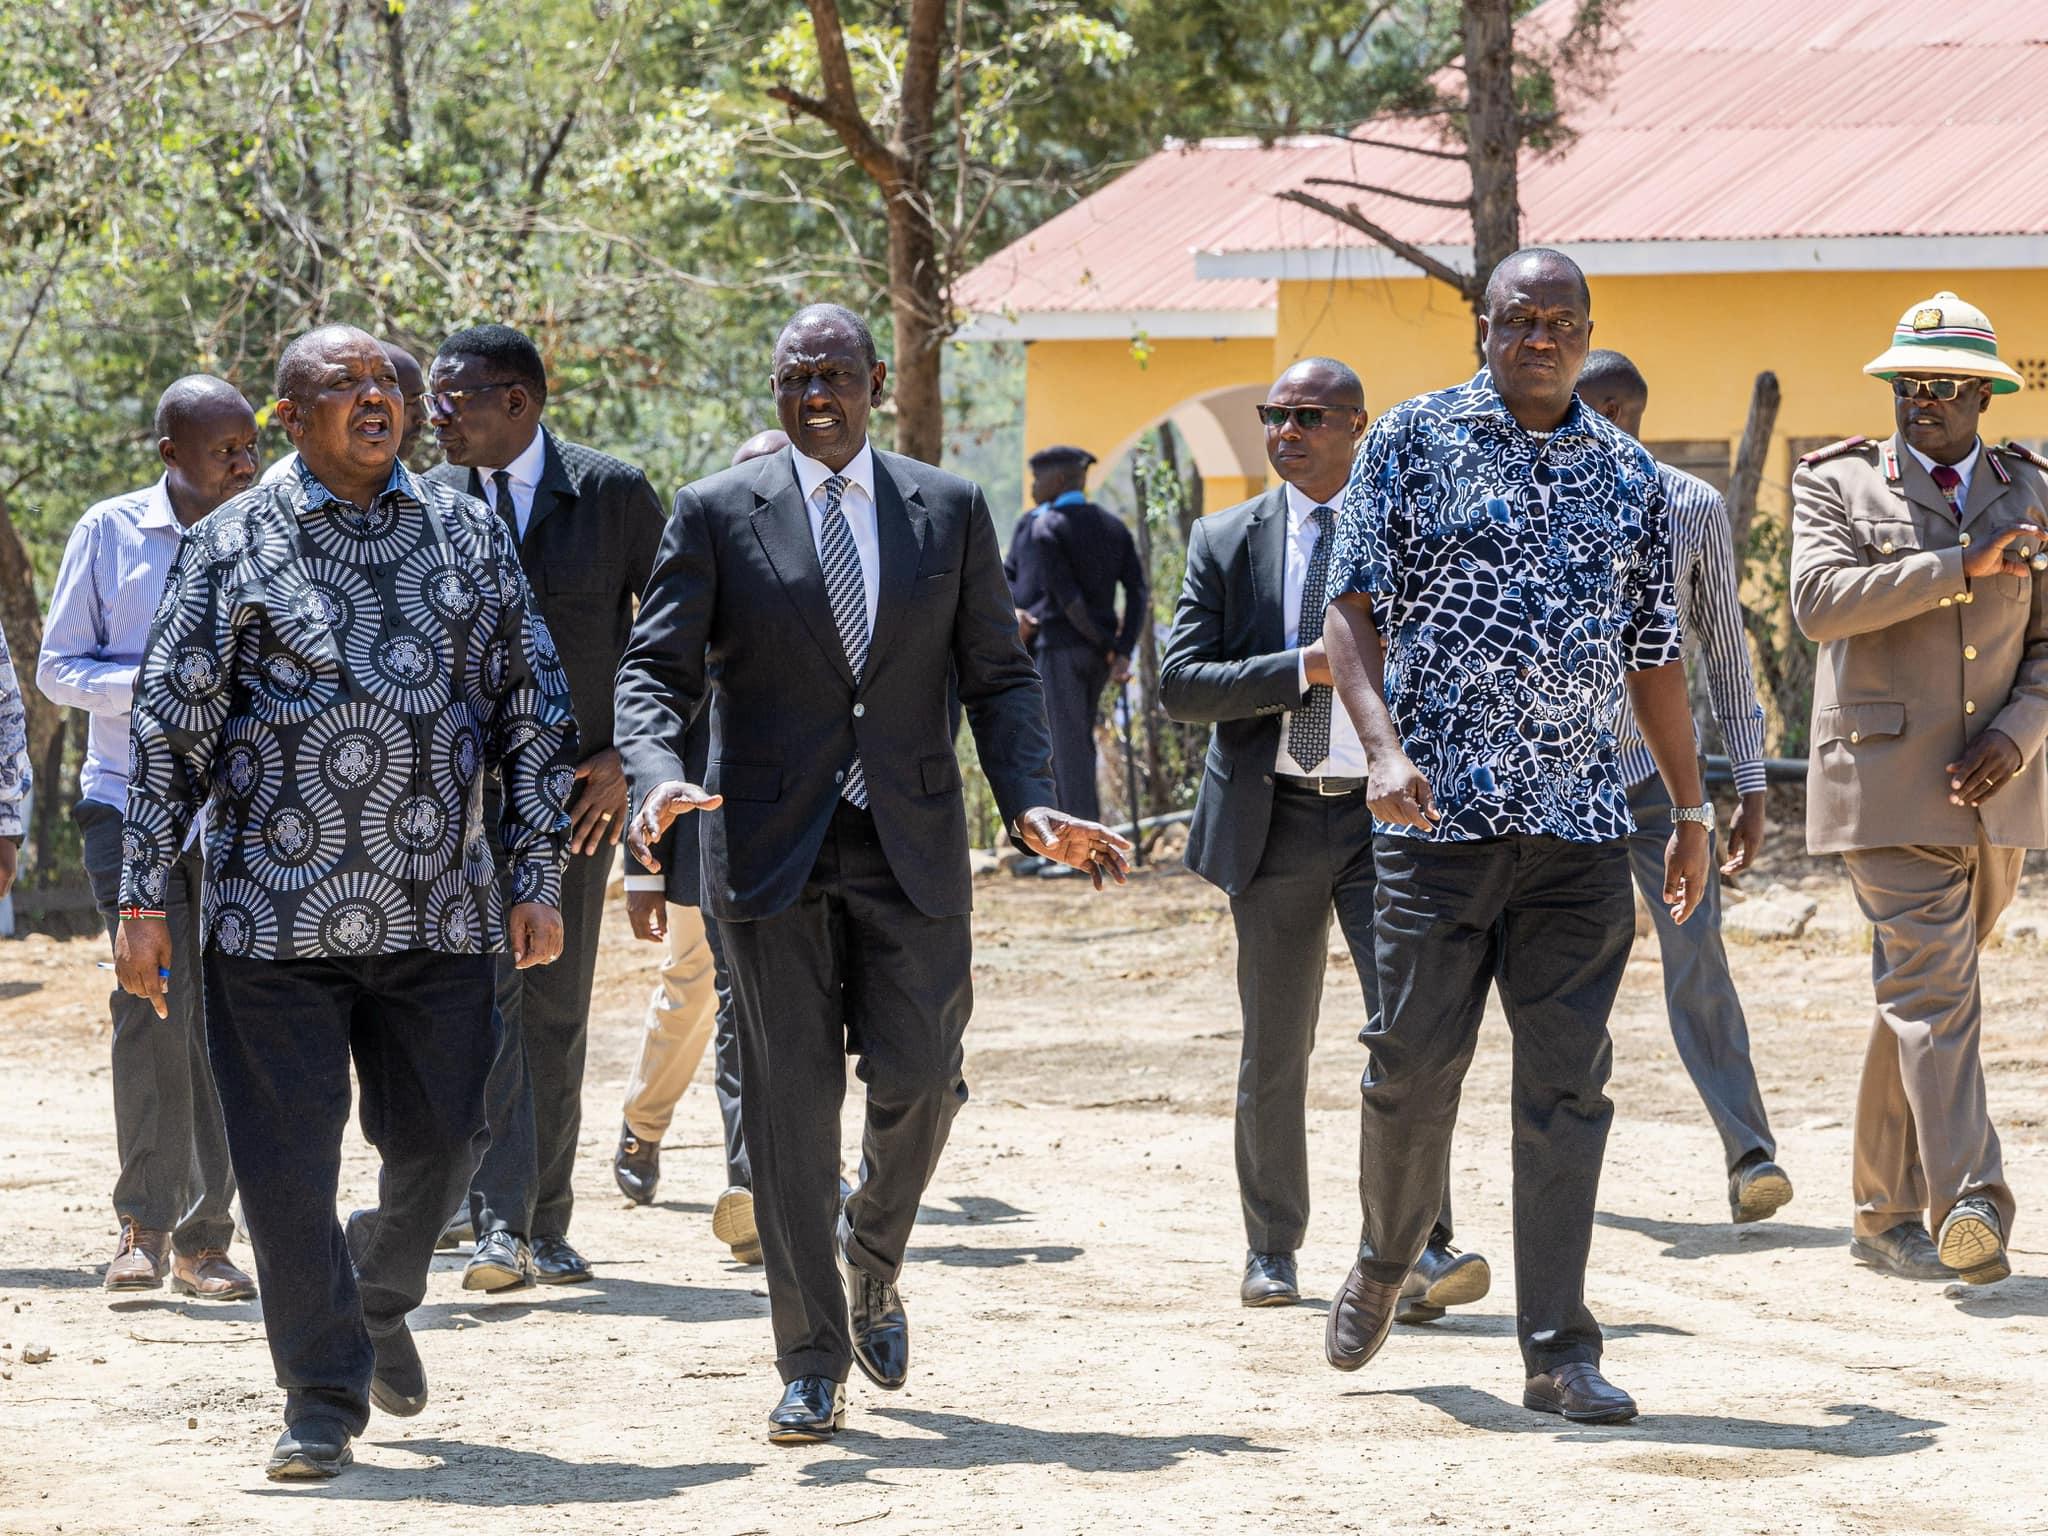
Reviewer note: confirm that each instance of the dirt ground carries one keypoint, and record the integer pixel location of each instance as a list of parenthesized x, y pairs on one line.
[(1081, 1363)]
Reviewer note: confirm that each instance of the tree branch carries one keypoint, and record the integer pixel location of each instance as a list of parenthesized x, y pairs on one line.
[(840, 108), (1413, 254), (1457, 204), (1406, 149)]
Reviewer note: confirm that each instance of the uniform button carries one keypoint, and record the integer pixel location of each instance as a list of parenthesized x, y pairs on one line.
[(1854, 737), (731, 894), (1963, 539), (859, 710), (1887, 546), (1969, 706), (1948, 602), (1969, 653)]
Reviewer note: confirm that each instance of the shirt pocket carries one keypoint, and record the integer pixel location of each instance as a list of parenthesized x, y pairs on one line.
[(1885, 539)]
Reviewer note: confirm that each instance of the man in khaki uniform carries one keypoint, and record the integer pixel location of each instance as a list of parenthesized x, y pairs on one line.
[(1913, 565)]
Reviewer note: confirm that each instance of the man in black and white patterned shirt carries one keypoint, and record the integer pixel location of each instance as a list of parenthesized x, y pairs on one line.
[(337, 658)]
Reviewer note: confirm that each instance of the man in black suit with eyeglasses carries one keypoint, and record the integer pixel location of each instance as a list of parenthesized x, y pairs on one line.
[(1281, 822)]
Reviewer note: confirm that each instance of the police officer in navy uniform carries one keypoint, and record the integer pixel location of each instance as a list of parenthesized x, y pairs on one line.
[(1068, 560)]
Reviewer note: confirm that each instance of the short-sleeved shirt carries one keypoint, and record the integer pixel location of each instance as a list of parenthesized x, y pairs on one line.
[(1516, 578)]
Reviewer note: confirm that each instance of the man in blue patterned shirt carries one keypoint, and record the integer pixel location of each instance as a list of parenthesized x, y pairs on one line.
[(1511, 547), (15, 774), (337, 659)]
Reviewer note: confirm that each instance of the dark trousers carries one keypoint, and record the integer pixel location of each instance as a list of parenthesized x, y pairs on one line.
[(725, 1063), (535, 1099), (421, 1031), (1551, 922), (1707, 1024), (850, 962), (1074, 677), (175, 1176), (1318, 857)]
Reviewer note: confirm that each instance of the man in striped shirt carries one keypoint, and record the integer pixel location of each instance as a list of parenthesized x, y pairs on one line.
[(1707, 1024)]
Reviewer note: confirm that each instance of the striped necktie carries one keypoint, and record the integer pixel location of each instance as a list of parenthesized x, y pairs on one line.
[(847, 591), (1308, 729)]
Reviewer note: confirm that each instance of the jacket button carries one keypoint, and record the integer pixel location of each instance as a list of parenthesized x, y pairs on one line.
[(1969, 653), (1886, 546), (1854, 737), (839, 777), (1269, 778), (1969, 706), (1948, 602), (859, 710), (731, 894), (1963, 539)]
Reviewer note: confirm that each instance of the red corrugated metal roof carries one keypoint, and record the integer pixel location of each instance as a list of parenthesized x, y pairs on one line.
[(1735, 120)]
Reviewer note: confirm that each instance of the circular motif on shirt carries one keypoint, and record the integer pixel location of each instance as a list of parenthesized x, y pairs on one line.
[(285, 685), (356, 914), (193, 683), (434, 590), (455, 915), (290, 847), (493, 666), (322, 597), (227, 534), (241, 919), (248, 766), (527, 878), (414, 837), (183, 599), (377, 534), (547, 661), (404, 669), (150, 760)]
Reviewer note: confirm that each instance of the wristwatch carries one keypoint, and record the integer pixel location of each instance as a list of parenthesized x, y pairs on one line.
[(1703, 814)]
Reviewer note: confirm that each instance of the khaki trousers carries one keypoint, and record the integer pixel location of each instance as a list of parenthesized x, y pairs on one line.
[(1923, 1134), (680, 1017)]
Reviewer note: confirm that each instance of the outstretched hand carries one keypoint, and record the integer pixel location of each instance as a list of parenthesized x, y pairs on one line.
[(664, 803), (1078, 844)]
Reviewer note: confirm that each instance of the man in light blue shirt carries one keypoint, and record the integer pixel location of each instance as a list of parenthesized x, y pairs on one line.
[(173, 1191)]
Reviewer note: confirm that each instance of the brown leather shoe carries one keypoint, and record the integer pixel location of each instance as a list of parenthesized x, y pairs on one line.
[(210, 1275), (1579, 1393), (140, 1259), (1361, 1316)]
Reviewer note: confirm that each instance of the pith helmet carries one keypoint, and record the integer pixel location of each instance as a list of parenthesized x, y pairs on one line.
[(1944, 335)]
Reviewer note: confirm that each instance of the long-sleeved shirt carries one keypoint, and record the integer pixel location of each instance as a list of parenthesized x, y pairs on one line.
[(1710, 618), (332, 681), (107, 589), (16, 779), (1081, 555)]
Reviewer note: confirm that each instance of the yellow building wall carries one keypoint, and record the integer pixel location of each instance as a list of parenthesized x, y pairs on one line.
[(1699, 339)]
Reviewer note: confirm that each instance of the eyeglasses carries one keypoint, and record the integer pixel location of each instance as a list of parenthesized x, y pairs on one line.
[(1933, 389), (1307, 417), (446, 402)]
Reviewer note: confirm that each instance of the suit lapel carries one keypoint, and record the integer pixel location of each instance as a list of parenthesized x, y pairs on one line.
[(783, 526), (1266, 553), (900, 524), (556, 488)]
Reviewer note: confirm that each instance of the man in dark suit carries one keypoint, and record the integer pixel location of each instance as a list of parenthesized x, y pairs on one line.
[(586, 526), (1281, 822), (815, 603), (1066, 563)]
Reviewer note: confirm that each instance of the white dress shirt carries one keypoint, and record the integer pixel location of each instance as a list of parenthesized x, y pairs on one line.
[(857, 503), (1347, 756), (1965, 469), (526, 471)]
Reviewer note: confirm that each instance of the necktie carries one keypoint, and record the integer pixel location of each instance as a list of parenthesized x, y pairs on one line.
[(1308, 731), (848, 595), (507, 513), (1946, 479)]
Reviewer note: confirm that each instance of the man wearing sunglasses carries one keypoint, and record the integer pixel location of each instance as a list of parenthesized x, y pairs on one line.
[(1915, 566), (1281, 822), (586, 526)]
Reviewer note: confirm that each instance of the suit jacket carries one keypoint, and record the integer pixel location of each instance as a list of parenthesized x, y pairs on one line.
[(1227, 663), (589, 546), (736, 618), (1915, 659)]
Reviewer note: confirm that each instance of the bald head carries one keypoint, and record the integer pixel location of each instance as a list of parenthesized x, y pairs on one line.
[(206, 437), (1535, 263), (760, 445), (196, 397), (300, 364), (1333, 383), (1313, 417), (816, 321)]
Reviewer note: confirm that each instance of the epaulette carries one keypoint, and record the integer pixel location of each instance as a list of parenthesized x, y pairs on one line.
[(1834, 450), (2019, 451)]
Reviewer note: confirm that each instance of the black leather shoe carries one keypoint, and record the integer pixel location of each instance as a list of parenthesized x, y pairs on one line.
[(1904, 1250), (1973, 1242), (502, 1262), (312, 1448), (556, 1263), (1756, 1189), (1269, 1280), (1441, 1279), (636, 1166), (1361, 1317), (1580, 1394), (881, 1329), (813, 1408), (398, 1381)]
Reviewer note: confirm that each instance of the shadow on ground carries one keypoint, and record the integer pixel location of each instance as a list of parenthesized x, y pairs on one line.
[(1712, 1239), (1865, 1430), (953, 1441), (498, 1476), (611, 1294), (2021, 1296)]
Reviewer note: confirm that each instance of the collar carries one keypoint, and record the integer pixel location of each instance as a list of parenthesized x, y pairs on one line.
[(810, 474), (528, 467), (157, 511), (1478, 397), (1069, 499), (1300, 507), (313, 494), (1965, 469)]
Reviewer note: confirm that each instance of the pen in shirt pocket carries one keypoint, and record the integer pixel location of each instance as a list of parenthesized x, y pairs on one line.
[(108, 965)]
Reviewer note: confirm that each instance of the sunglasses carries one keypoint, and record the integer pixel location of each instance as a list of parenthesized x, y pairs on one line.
[(1306, 417), (1933, 389), (446, 402)]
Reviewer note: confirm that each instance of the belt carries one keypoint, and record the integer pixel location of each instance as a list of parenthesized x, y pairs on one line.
[(1310, 785)]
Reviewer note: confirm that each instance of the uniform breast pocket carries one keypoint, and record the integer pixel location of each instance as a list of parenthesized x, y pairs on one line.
[(1884, 539)]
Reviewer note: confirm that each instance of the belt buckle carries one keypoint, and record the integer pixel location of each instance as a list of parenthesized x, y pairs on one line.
[(1323, 789)]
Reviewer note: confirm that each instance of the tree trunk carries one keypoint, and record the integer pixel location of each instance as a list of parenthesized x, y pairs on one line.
[(1493, 139), (1148, 647), (1749, 462), (917, 304)]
